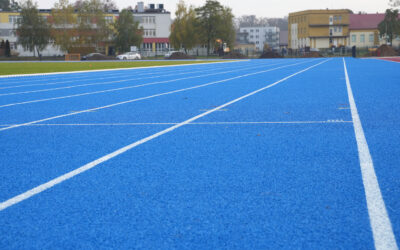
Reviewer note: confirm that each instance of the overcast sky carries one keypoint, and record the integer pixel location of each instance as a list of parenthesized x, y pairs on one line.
[(262, 8)]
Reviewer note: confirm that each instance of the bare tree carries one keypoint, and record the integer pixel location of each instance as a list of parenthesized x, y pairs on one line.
[(394, 3)]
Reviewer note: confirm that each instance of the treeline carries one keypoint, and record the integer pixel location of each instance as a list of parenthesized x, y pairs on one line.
[(77, 27), (209, 25), (253, 21)]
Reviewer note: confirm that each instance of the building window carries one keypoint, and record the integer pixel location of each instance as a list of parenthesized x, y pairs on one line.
[(109, 19), (353, 38), (13, 19), (362, 38), (149, 33), (371, 38), (330, 19), (335, 29), (340, 29), (251, 30), (148, 19), (340, 18), (257, 30)]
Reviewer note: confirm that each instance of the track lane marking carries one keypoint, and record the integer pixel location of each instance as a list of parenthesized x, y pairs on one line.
[(123, 88), (142, 98), (28, 194), (120, 75), (83, 76), (127, 80), (174, 123), (109, 70), (379, 218)]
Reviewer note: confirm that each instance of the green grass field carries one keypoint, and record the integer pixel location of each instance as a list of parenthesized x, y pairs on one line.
[(51, 67)]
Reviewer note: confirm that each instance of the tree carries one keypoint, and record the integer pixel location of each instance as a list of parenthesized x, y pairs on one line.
[(390, 26), (281, 23), (249, 21), (33, 29), (109, 5), (253, 21), (127, 32), (8, 5), (394, 3), (184, 30), (226, 29), (215, 22), (7, 51), (92, 27), (64, 23)]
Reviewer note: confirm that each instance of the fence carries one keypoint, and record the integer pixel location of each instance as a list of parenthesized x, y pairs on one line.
[(72, 57)]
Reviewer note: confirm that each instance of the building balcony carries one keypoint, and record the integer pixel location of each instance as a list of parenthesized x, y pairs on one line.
[(328, 25)]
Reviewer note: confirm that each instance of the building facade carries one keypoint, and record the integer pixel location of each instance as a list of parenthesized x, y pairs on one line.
[(284, 39), (154, 20), (156, 23), (261, 36), (318, 29), (8, 25), (364, 31), (243, 45)]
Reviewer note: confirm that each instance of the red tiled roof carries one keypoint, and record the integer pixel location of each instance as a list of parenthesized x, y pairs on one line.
[(365, 21), (155, 40)]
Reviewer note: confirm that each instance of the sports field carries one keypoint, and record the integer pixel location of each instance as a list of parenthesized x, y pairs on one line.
[(259, 154)]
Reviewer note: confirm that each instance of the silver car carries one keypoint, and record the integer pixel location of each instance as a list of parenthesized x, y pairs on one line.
[(129, 56)]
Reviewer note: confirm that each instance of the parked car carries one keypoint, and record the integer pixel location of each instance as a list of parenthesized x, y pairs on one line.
[(170, 53), (129, 56), (93, 56)]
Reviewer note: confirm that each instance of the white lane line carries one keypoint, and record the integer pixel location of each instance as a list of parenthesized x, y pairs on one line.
[(141, 71), (128, 76), (174, 123), (123, 88), (60, 179), (379, 219), (137, 86), (78, 78), (119, 81), (109, 70), (145, 98)]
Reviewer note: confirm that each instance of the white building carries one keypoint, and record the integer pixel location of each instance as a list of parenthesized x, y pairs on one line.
[(262, 35), (156, 23)]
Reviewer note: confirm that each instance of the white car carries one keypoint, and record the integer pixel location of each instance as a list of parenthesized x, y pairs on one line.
[(129, 56)]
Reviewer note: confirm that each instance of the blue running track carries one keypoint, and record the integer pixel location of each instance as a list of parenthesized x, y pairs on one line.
[(259, 154)]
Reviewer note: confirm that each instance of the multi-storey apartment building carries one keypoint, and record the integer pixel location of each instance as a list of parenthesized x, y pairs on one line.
[(154, 20), (318, 29), (262, 35)]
